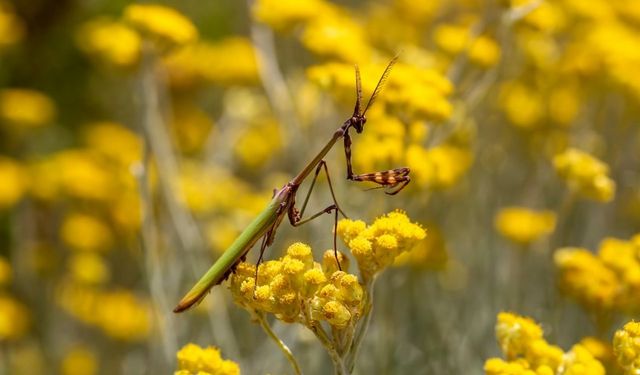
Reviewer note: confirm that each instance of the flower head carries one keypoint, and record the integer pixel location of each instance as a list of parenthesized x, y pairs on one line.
[(377, 246), (296, 289), (162, 24), (194, 360), (524, 226)]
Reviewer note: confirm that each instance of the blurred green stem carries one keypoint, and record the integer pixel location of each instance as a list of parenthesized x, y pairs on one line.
[(285, 349)]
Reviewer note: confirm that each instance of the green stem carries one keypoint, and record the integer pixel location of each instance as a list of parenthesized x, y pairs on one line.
[(338, 362), (283, 347), (361, 331)]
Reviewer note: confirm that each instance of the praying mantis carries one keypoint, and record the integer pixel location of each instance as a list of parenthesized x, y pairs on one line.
[(264, 226)]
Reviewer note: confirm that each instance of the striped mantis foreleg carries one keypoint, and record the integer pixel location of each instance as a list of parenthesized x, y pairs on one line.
[(264, 226)]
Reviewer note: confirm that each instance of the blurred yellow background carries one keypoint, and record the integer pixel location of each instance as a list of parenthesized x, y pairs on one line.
[(137, 140)]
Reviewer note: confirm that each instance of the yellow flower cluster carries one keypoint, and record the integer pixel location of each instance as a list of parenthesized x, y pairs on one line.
[(327, 30), (419, 93), (196, 180), (14, 318), (456, 39), (376, 246), (528, 353), (626, 347), (230, 61), (297, 289), (23, 108), (522, 225), (98, 173), (79, 361), (110, 41), (606, 282), (119, 43), (194, 360), (11, 27), (160, 23), (14, 182), (255, 146), (120, 314), (439, 167), (585, 174)]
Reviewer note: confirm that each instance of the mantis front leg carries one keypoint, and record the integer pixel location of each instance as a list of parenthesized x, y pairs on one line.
[(393, 180)]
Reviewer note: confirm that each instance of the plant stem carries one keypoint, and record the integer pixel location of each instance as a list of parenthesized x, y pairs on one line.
[(285, 349), (338, 362), (361, 331)]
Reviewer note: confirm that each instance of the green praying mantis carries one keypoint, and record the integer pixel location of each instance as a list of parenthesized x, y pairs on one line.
[(264, 226)]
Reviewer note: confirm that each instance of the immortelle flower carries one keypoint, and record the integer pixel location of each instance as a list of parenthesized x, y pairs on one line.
[(162, 24), (26, 108), (523, 225), (195, 360), (376, 246), (111, 42), (528, 353), (585, 174), (294, 288), (626, 347), (324, 297)]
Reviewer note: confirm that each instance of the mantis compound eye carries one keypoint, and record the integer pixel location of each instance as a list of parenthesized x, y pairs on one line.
[(359, 124)]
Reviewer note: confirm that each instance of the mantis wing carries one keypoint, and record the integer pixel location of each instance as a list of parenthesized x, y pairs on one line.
[(221, 268)]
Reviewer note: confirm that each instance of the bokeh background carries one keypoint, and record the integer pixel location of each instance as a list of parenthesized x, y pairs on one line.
[(137, 142)]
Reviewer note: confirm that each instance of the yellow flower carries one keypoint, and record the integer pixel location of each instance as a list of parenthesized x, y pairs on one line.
[(579, 361), (522, 105), (378, 245), (114, 141), (296, 289), (14, 182), (282, 15), (599, 349), (161, 23), (337, 36), (11, 27), (123, 316), (497, 366), (484, 52), (230, 61), (439, 167), (88, 268), (14, 319), (515, 334), (111, 42), (79, 361), (585, 174), (191, 127), (527, 352), (26, 108), (523, 225), (454, 40), (626, 347), (83, 175), (86, 232), (259, 144), (584, 277), (194, 360)]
